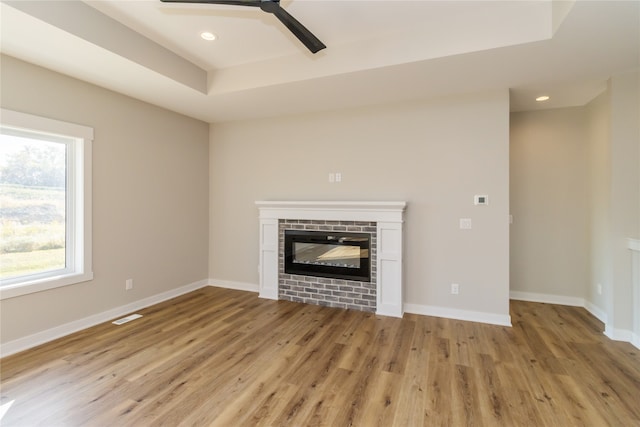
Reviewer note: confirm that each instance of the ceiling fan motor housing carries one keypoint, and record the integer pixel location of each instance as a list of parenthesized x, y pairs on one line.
[(269, 5)]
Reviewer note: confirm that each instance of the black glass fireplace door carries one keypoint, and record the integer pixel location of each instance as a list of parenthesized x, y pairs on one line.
[(328, 254)]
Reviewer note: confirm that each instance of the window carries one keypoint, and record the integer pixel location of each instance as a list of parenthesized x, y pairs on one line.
[(45, 203)]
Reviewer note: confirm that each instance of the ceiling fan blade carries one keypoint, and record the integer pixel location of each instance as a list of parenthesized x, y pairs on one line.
[(271, 6), (253, 3), (300, 31)]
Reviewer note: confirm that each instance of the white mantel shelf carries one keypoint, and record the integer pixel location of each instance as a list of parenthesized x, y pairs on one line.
[(389, 218), (333, 211)]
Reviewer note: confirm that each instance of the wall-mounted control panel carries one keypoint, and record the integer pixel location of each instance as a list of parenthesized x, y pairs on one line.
[(480, 199)]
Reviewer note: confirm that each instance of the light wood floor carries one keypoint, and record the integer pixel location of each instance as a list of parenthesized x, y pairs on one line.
[(226, 358)]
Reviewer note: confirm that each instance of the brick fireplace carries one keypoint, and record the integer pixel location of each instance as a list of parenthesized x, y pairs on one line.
[(328, 291), (383, 221)]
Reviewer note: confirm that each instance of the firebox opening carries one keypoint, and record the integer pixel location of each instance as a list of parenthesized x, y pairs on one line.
[(328, 254)]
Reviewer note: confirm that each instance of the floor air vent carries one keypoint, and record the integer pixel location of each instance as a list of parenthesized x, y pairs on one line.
[(127, 319)]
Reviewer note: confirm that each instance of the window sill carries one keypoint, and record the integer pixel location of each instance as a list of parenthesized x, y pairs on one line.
[(25, 288)]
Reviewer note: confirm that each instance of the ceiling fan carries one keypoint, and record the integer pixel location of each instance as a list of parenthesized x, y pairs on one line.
[(271, 6)]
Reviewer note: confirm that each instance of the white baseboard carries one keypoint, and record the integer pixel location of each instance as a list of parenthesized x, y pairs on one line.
[(451, 313), (230, 284), (621, 335), (547, 298), (42, 337), (635, 340), (609, 331), (560, 300), (596, 311)]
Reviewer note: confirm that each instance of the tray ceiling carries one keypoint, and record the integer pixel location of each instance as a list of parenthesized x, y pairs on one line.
[(377, 51)]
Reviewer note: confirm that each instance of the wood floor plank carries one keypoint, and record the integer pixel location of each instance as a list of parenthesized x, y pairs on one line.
[(438, 407), (219, 357)]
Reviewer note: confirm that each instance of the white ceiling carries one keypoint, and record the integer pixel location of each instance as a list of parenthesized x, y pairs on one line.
[(377, 51)]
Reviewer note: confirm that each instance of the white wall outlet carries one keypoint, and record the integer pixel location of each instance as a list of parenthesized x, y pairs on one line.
[(599, 289), (332, 177), (338, 176), (455, 288), (128, 284), (465, 223)]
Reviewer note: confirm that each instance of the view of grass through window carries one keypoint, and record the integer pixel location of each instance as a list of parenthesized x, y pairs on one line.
[(32, 206)]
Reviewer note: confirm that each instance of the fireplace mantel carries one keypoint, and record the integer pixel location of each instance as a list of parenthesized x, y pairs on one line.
[(334, 211), (389, 217)]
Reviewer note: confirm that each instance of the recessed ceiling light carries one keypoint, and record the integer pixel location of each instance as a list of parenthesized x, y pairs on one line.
[(206, 35), (542, 98)]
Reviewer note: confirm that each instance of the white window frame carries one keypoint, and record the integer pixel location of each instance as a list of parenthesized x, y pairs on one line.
[(78, 245)]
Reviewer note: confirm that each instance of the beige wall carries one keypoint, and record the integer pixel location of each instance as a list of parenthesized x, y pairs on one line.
[(598, 130), (435, 156), (550, 202), (150, 197), (624, 145)]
